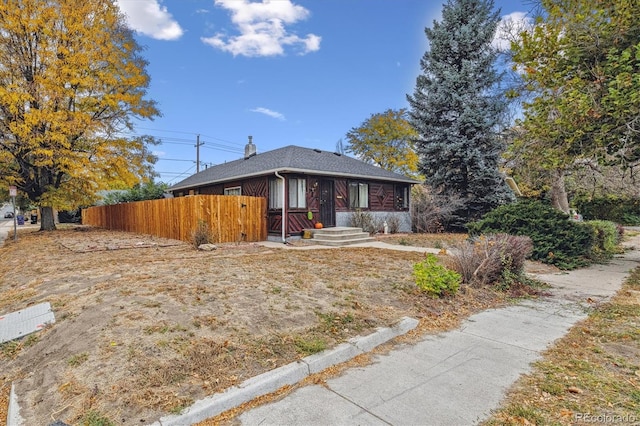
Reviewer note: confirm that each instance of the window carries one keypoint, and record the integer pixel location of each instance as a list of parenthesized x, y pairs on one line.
[(235, 190), (402, 197), (297, 193), (275, 193), (358, 195)]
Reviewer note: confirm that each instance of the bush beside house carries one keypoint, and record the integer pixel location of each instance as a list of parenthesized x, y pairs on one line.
[(556, 239), (620, 209)]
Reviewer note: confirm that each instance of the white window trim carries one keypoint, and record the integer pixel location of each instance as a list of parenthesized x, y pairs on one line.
[(298, 193), (363, 194), (275, 194), (233, 189)]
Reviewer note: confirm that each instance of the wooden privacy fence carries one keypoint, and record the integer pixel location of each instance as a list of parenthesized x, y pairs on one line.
[(230, 218)]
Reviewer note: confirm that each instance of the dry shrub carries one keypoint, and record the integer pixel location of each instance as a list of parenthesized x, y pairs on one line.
[(366, 221), (393, 223), (489, 259), (202, 234), (430, 211)]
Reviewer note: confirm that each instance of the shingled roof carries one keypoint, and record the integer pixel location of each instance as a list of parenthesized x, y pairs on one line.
[(290, 159)]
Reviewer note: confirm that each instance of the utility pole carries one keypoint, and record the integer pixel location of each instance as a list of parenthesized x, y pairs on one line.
[(13, 191), (198, 145)]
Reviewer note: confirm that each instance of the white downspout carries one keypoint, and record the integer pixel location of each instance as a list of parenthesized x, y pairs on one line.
[(284, 220)]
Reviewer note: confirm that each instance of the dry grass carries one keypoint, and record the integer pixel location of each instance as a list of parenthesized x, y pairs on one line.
[(592, 375), (158, 325), (439, 240)]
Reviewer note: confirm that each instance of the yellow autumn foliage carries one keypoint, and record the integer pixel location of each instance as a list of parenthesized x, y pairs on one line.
[(386, 140), (72, 79)]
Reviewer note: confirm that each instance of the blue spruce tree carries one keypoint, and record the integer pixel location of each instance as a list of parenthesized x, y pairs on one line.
[(456, 109)]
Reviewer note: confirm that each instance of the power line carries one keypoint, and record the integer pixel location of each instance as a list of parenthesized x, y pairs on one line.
[(164, 142), (175, 159), (205, 141), (171, 173), (223, 140), (224, 148), (192, 133), (182, 174), (167, 131)]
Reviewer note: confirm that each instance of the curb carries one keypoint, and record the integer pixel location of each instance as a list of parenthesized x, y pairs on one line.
[(289, 374), (13, 413)]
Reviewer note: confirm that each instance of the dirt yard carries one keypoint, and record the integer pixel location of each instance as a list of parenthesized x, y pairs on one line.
[(146, 326)]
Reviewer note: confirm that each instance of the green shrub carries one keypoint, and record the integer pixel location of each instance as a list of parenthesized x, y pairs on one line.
[(434, 278), (95, 418), (556, 239), (310, 345), (630, 219), (606, 238), (620, 209), (492, 259)]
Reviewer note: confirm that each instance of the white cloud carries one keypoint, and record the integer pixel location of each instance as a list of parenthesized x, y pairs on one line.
[(262, 27), (159, 154), (509, 28), (270, 113), (148, 17)]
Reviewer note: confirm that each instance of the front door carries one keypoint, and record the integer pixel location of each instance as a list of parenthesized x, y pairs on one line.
[(327, 203)]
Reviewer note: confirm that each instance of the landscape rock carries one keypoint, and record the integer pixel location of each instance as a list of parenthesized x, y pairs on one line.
[(207, 247)]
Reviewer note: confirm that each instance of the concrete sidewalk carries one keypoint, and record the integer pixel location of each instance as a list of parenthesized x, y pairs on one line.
[(458, 377), (6, 226)]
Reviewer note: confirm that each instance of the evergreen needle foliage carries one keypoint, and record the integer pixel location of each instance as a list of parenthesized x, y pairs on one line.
[(456, 110), (140, 192), (556, 239)]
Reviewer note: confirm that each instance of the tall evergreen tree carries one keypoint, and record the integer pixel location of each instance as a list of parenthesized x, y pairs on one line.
[(456, 110)]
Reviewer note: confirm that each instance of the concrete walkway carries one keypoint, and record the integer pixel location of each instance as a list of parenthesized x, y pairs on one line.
[(6, 226), (374, 244), (458, 377)]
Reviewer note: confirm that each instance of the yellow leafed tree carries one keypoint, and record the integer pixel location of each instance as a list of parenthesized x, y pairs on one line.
[(72, 79), (386, 140)]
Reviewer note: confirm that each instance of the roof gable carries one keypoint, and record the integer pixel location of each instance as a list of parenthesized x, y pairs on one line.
[(292, 159)]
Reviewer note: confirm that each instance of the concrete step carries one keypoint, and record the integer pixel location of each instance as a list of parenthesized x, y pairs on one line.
[(338, 230), (340, 236), (340, 243)]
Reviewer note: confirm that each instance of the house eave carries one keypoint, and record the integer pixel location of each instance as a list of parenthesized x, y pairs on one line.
[(290, 170)]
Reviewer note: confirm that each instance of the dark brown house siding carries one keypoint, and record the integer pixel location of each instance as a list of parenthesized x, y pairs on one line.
[(342, 195), (383, 197), (252, 187)]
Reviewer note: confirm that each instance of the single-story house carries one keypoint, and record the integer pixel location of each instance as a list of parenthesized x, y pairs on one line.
[(304, 186)]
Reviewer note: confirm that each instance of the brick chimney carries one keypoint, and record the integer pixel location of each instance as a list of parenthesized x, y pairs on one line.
[(249, 149)]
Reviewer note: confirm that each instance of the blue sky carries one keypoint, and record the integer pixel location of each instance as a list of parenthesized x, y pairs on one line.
[(287, 72)]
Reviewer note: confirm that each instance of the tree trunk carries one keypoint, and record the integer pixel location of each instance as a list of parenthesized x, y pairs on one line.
[(559, 198), (47, 222)]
